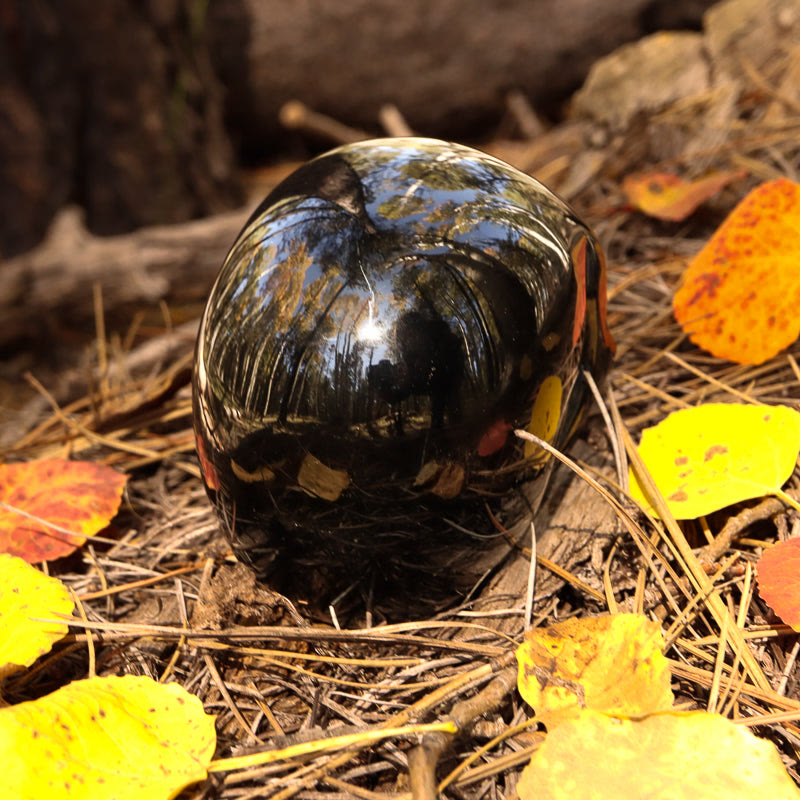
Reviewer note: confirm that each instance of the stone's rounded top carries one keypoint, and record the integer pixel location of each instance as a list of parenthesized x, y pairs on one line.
[(387, 316)]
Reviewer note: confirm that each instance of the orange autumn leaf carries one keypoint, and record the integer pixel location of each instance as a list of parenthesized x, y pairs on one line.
[(741, 292), (779, 580), (579, 266), (209, 471), (494, 438), (49, 507), (669, 197)]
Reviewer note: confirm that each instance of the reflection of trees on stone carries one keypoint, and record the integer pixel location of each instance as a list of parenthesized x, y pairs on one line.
[(247, 320), (445, 171), (398, 206), (237, 299), (443, 291), (321, 353), (463, 245), (451, 220)]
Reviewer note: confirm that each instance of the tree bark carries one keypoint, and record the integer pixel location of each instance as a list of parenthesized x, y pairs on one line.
[(113, 106)]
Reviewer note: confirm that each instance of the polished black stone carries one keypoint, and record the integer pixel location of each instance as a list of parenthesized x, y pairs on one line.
[(387, 317)]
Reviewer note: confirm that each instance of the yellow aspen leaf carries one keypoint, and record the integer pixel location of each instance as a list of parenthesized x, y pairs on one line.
[(705, 458), (128, 738), (666, 196), (316, 746), (778, 573), (320, 480), (669, 756), (51, 506), (450, 482), (611, 663), (27, 595), (545, 416), (444, 479), (740, 293)]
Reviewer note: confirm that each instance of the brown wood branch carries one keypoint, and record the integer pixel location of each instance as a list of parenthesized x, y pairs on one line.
[(393, 121), (296, 115), (423, 759), (767, 508), (53, 283)]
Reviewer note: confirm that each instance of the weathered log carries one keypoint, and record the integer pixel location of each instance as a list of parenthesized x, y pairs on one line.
[(53, 284), (116, 106), (574, 528), (446, 64)]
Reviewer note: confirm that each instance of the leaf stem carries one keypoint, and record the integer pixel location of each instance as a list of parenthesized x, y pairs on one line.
[(331, 743), (790, 501)]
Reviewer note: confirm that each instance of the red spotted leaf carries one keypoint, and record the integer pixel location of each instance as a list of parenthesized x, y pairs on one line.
[(51, 506), (779, 580), (741, 292)]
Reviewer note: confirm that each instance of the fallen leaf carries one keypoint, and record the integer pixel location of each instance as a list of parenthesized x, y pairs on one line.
[(320, 480), (611, 663), (741, 292), (641, 77), (27, 595), (494, 438), (128, 738), (264, 473), (207, 468), (77, 496), (778, 572), (578, 258), (450, 481), (669, 197), (669, 756), (545, 416), (705, 458), (443, 479), (428, 473), (599, 317)]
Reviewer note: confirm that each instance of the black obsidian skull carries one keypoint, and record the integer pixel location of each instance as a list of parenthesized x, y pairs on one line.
[(387, 317)]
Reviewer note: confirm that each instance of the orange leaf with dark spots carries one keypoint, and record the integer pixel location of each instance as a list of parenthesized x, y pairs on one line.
[(50, 507), (741, 293), (779, 580), (669, 197)]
